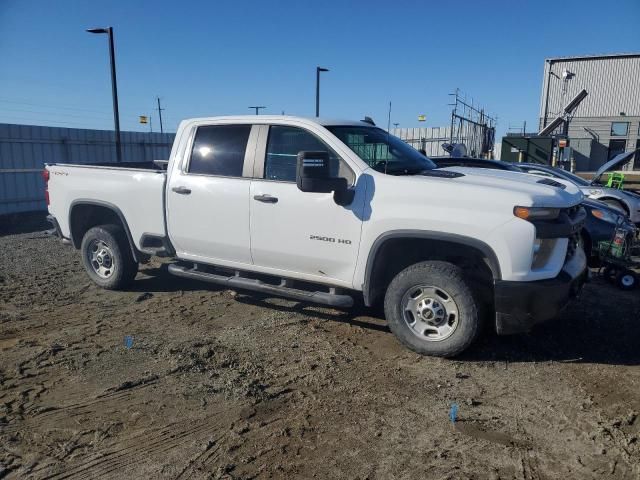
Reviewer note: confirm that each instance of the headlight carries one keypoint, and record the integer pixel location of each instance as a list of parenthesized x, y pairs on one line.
[(542, 250), (605, 215), (536, 213)]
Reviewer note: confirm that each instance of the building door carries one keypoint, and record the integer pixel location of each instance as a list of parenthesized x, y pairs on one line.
[(616, 147), (636, 158)]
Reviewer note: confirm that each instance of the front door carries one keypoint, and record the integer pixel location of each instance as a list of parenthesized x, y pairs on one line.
[(302, 232), (208, 197)]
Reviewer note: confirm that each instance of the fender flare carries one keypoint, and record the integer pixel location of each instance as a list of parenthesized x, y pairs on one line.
[(100, 203), (486, 250)]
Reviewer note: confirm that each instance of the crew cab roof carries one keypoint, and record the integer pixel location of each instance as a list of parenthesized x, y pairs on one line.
[(275, 118)]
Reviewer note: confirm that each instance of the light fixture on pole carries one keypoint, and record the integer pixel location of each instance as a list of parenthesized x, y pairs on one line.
[(258, 109), (318, 70), (114, 87)]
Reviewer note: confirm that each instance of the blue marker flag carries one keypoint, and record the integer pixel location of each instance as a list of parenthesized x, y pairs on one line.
[(128, 341), (453, 413)]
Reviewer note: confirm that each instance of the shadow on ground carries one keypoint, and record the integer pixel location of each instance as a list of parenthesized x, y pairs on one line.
[(588, 331)]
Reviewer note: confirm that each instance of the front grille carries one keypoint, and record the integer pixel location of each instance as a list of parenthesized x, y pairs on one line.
[(572, 211), (574, 242)]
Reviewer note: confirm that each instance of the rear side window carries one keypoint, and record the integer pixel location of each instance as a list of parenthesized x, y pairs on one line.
[(219, 150), (282, 152)]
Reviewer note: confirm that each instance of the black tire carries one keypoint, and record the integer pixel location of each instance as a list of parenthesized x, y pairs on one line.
[(449, 280), (122, 267), (609, 273), (626, 280)]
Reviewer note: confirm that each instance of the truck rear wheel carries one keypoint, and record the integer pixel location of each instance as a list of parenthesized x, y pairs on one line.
[(431, 309), (107, 258)]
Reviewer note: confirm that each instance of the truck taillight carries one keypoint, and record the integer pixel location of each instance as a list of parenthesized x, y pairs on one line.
[(45, 176)]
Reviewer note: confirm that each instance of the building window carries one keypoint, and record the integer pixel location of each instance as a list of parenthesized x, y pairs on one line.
[(619, 129), (616, 147)]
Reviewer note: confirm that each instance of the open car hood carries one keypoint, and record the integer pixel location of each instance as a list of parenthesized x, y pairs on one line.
[(616, 162)]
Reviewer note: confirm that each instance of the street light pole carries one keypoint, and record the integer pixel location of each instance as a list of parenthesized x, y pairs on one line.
[(318, 70), (257, 109), (114, 87)]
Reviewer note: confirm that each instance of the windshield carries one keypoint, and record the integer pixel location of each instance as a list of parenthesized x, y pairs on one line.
[(381, 151)]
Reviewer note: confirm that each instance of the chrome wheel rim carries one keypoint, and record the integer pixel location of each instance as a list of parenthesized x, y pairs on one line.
[(100, 258), (430, 312)]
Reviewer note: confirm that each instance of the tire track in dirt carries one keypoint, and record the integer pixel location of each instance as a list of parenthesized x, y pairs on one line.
[(145, 445)]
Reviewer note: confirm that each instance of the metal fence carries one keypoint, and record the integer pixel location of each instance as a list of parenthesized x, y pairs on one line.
[(24, 149), (428, 139)]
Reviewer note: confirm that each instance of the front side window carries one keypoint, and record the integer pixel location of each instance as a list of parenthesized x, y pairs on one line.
[(619, 129), (283, 146), (219, 150), (382, 151)]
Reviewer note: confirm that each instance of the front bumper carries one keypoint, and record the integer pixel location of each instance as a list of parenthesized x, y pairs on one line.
[(521, 305)]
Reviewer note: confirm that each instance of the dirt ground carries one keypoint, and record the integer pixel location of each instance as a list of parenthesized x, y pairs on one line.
[(224, 385)]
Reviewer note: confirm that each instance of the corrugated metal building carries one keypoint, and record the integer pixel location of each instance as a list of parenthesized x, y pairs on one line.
[(24, 149), (607, 122)]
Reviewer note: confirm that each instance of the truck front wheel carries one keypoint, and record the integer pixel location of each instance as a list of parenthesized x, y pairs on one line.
[(431, 309), (107, 258)]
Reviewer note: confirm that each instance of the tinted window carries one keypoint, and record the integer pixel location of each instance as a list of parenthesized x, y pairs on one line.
[(219, 150), (282, 153)]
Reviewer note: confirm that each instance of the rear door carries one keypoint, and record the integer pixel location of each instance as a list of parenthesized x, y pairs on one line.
[(301, 232), (208, 195)]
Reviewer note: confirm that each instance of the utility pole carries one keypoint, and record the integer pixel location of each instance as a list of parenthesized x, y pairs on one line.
[(160, 114), (258, 109)]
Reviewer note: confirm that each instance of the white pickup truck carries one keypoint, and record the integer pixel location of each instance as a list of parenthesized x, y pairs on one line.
[(324, 211)]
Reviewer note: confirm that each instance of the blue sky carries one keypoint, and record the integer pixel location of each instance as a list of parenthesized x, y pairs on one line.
[(216, 58)]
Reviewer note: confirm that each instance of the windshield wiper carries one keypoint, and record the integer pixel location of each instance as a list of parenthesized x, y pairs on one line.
[(405, 171)]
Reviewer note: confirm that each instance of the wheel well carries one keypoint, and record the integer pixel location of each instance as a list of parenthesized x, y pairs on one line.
[(87, 215), (622, 204), (396, 254)]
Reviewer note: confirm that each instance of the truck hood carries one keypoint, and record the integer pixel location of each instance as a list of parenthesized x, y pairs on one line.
[(615, 163), (545, 192)]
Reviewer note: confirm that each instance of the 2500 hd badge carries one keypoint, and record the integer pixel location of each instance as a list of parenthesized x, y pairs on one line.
[(330, 239)]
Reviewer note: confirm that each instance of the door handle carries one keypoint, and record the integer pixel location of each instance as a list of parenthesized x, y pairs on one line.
[(182, 190), (265, 198)]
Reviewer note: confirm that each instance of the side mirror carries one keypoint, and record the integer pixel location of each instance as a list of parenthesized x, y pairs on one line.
[(313, 174)]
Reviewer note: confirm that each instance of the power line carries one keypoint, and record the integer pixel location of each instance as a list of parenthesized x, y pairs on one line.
[(130, 110)]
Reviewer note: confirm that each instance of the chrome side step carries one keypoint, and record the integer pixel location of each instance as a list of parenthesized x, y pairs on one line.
[(283, 290)]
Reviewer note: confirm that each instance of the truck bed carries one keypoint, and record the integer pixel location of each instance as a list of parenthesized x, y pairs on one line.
[(134, 189)]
